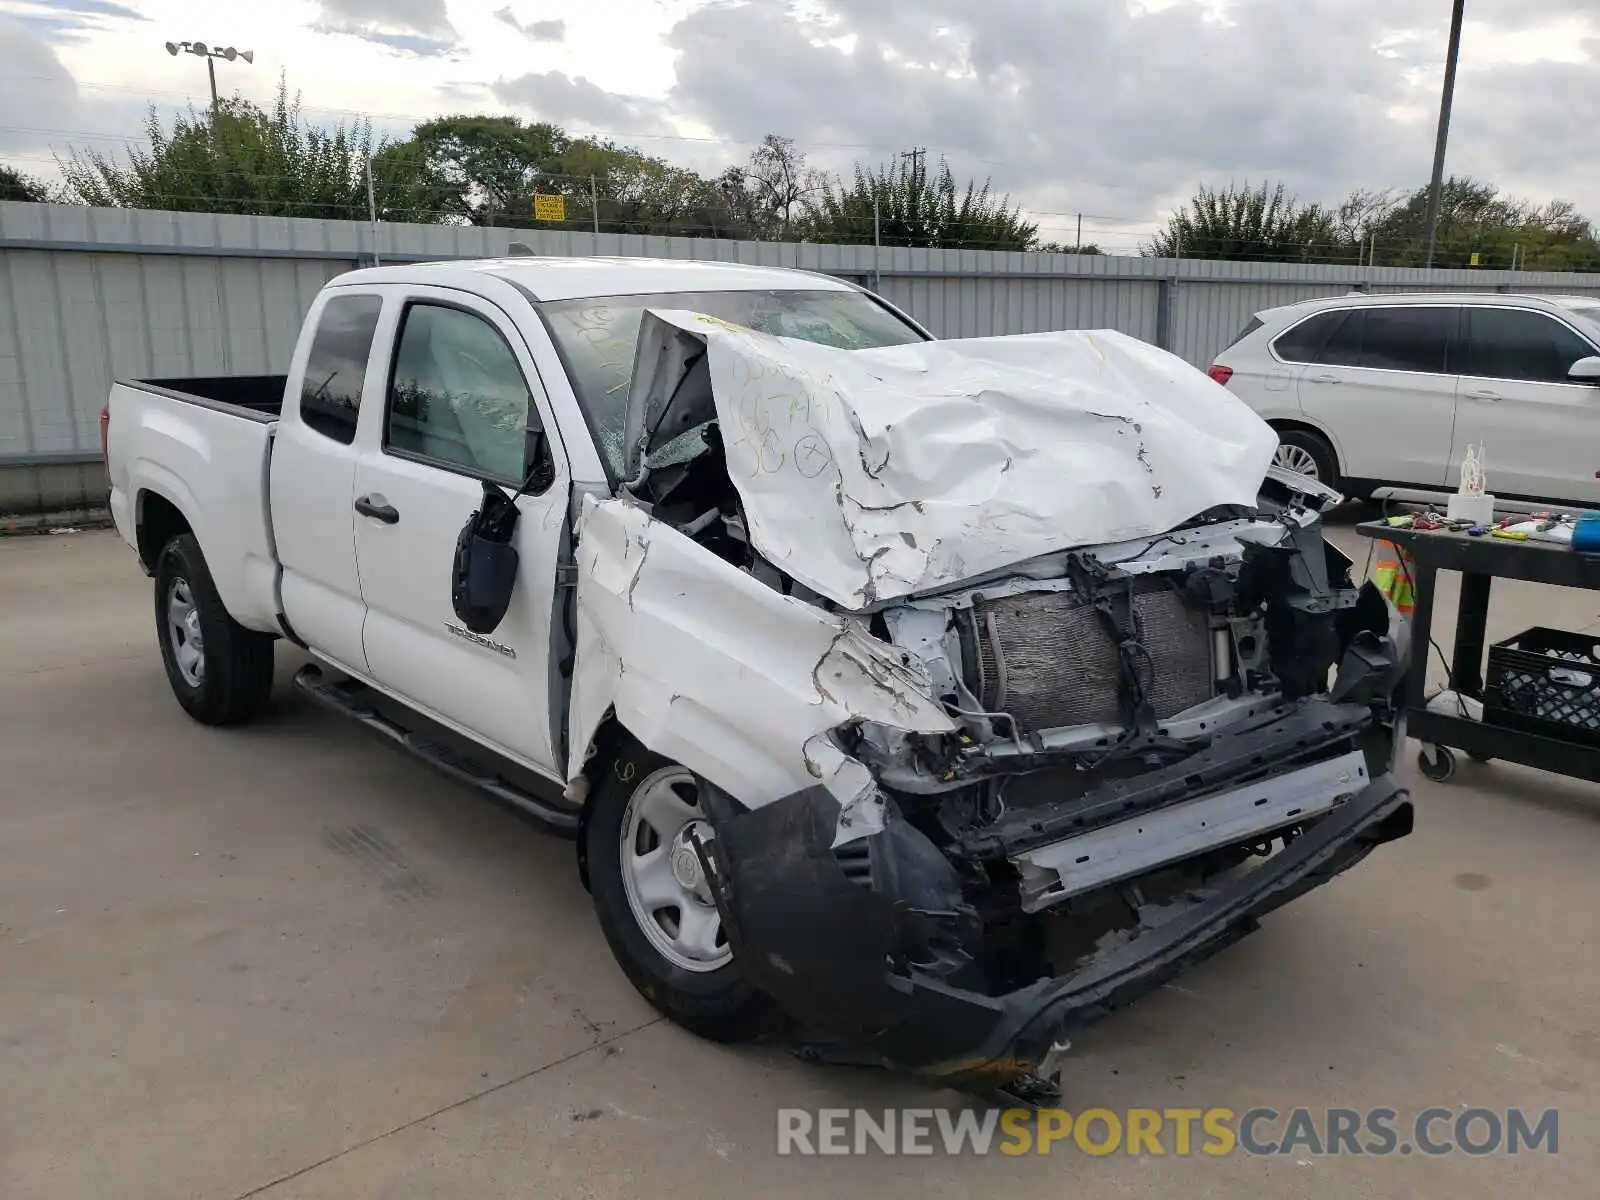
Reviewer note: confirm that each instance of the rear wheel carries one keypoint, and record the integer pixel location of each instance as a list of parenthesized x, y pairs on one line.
[(653, 902), (1307, 453), (220, 671)]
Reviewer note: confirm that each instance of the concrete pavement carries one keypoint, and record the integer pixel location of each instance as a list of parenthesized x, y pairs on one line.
[(284, 961)]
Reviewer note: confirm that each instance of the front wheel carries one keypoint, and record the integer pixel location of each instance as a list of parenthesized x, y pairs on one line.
[(220, 671), (654, 905)]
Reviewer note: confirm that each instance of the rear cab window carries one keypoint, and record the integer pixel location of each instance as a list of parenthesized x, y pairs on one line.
[(336, 369)]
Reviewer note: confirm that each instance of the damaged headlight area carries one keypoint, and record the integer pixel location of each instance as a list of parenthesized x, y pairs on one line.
[(1153, 745)]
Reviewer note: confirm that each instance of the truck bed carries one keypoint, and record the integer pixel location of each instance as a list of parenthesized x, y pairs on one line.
[(259, 397), (201, 446)]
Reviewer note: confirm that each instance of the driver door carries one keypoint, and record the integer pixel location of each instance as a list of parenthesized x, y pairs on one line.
[(1536, 426), (463, 404)]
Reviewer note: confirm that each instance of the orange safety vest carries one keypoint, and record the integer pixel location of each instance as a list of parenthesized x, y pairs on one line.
[(1395, 574)]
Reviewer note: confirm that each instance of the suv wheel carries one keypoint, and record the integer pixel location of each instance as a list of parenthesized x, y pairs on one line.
[(1307, 453)]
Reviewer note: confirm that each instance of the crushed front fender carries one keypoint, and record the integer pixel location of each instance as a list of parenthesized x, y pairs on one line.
[(864, 943)]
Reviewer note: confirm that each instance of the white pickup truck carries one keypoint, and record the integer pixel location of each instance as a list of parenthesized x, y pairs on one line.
[(944, 695)]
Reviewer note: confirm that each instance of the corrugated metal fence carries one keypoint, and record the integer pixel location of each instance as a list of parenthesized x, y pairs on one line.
[(88, 295)]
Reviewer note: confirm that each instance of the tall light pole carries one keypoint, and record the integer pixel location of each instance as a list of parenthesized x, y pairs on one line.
[(211, 54), (1437, 186)]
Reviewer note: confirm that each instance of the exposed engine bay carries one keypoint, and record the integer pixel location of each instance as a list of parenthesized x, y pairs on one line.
[(1029, 792)]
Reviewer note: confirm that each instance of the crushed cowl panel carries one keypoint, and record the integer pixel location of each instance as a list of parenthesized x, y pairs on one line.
[(868, 475)]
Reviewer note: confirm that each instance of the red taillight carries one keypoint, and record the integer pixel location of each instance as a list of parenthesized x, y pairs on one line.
[(1220, 373), (105, 434)]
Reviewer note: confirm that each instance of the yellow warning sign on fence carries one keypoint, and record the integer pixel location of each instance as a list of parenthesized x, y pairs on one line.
[(549, 208), (1474, 258)]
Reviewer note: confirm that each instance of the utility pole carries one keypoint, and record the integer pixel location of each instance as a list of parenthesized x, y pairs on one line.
[(1077, 246), (1434, 190), (372, 212), (877, 246), (916, 154)]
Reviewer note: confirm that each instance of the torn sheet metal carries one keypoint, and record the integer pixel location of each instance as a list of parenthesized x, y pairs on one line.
[(717, 671), (872, 474)]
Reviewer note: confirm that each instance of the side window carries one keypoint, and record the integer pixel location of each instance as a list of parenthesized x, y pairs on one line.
[(458, 395), (330, 394), (1304, 342), (1511, 343), (1406, 339), (1343, 347)]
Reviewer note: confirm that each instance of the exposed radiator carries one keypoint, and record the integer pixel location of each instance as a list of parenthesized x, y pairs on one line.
[(1049, 659)]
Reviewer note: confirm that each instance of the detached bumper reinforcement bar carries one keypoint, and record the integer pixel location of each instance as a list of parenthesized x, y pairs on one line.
[(1179, 831), (1310, 731)]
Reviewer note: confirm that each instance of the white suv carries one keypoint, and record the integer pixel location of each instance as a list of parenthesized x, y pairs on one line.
[(1391, 389)]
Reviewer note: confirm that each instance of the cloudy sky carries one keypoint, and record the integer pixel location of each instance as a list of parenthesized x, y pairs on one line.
[(1111, 108)]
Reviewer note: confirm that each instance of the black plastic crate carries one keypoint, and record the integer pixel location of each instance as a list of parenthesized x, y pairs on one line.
[(1546, 681)]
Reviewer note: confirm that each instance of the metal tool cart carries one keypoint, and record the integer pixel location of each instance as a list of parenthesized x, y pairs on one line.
[(1542, 702)]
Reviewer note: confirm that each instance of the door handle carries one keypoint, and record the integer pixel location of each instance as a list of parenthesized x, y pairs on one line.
[(387, 513), (1484, 394), (1325, 377)]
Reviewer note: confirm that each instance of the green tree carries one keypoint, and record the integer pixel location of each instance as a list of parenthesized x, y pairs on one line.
[(14, 185), (639, 193), (240, 158), (1260, 223), (917, 209), (1476, 218), (769, 194), (484, 169)]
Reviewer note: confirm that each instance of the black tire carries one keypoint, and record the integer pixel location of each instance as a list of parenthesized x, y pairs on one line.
[(719, 1005), (235, 675), (1440, 766), (1315, 445)]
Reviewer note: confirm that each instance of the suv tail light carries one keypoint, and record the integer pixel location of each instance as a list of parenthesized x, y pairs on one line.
[(1220, 373)]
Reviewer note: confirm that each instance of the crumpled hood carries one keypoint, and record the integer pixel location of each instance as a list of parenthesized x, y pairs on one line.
[(872, 474)]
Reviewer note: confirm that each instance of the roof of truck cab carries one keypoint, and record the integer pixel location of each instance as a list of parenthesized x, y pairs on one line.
[(575, 278)]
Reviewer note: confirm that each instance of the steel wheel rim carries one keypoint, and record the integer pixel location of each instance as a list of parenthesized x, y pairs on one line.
[(184, 636), (661, 876), (1297, 459)]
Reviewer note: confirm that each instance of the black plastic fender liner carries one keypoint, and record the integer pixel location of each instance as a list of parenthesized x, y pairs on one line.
[(833, 952), (836, 953)]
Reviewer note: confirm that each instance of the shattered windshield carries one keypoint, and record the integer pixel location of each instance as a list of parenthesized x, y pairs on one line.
[(597, 336)]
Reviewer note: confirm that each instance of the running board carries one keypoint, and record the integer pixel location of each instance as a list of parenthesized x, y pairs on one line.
[(353, 699)]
